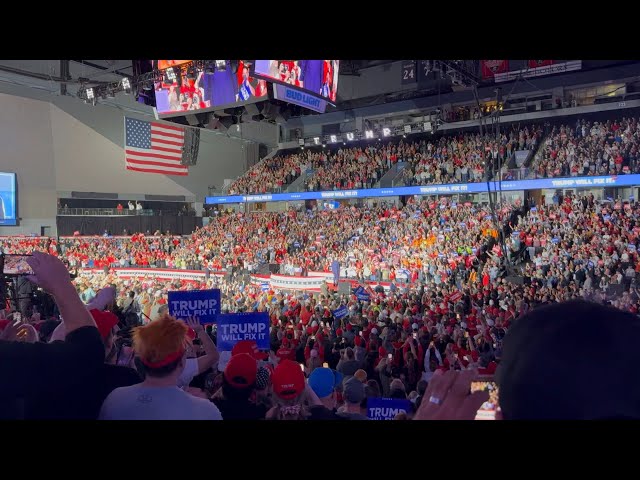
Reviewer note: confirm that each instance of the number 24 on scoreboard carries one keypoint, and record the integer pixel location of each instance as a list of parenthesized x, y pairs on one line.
[(409, 72)]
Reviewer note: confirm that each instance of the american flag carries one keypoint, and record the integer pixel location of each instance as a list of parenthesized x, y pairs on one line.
[(154, 147)]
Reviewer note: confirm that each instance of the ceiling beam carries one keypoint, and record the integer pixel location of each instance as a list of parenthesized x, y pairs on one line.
[(105, 69)]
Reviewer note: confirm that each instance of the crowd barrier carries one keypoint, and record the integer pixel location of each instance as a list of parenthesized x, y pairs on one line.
[(312, 282)]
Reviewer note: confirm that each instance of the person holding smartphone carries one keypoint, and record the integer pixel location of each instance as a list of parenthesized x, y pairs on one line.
[(28, 370)]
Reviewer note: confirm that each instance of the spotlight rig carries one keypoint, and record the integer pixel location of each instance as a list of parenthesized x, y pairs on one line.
[(143, 85)]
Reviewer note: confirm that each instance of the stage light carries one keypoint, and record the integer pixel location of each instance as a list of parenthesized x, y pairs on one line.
[(90, 94), (404, 136), (407, 129), (126, 85), (386, 131), (344, 143), (316, 140), (333, 138), (368, 134), (221, 65), (301, 142), (427, 127), (324, 145), (350, 136)]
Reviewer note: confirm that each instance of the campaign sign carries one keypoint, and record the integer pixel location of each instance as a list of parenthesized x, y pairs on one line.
[(203, 304), (341, 312), (234, 327), (361, 294), (386, 408)]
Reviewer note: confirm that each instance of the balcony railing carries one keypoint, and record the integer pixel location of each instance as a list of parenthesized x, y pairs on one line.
[(114, 212)]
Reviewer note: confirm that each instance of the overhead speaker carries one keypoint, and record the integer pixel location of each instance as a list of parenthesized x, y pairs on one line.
[(252, 109)]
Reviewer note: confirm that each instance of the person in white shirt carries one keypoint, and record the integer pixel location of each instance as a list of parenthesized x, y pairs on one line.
[(160, 349)]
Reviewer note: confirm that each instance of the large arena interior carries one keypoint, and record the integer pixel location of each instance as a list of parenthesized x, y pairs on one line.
[(319, 239)]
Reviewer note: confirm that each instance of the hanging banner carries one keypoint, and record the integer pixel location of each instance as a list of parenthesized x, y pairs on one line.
[(491, 67)]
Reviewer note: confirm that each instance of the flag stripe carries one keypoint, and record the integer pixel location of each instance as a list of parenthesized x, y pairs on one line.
[(163, 133), (165, 142), (165, 151), (155, 163), (154, 147), (168, 127), (163, 171), (174, 159)]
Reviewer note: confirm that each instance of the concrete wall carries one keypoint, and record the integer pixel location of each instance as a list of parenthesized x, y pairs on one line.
[(220, 157), (26, 139), (87, 161)]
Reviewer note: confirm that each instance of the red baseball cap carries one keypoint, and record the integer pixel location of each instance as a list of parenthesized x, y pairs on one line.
[(241, 371), (105, 321), (250, 347), (287, 380)]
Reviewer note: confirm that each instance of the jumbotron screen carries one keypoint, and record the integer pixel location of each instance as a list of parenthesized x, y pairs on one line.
[(8, 215), (184, 89), (318, 77)]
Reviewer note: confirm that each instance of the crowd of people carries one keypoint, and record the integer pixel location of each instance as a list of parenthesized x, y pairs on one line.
[(451, 320), (459, 158), (590, 148), (272, 174)]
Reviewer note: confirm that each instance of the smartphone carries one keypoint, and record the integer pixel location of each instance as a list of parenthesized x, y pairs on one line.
[(302, 367), (325, 365), (390, 356), (415, 335), (489, 409), (125, 356), (16, 265)]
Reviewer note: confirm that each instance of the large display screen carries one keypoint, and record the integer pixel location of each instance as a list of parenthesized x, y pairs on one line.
[(318, 77), (8, 214), (185, 88)]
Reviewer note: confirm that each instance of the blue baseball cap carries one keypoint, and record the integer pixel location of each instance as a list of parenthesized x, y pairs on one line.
[(323, 381)]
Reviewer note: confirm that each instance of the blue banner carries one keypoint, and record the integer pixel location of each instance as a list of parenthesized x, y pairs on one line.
[(480, 187), (203, 304), (233, 327), (361, 294), (341, 312), (386, 408)]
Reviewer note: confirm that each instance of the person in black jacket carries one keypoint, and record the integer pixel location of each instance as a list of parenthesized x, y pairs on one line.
[(83, 399), (31, 369), (239, 381)]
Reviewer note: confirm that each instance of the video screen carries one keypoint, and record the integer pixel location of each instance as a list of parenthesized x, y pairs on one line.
[(17, 265), (186, 88), (8, 216), (319, 77), (164, 64)]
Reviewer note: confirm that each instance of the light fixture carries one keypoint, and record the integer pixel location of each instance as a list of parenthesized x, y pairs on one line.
[(90, 94), (126, 85), (324, 145), (301, 142)]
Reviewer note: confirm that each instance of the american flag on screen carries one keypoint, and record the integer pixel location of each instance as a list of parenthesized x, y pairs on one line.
[(154, 147)]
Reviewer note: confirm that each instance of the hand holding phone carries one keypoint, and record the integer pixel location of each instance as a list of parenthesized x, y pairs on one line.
[(490, 408), (15, 265)]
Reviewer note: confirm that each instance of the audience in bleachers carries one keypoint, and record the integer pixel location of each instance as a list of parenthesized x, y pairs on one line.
[(591, 148)]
